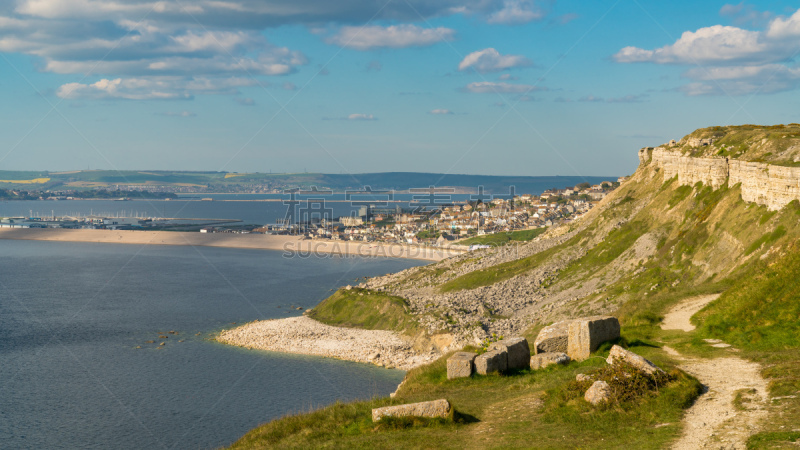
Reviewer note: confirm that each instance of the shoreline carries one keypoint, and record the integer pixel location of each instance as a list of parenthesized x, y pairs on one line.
[(305, 336), (292, 246)]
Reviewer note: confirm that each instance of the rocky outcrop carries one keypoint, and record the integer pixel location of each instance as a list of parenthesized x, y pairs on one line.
[(433, 409), (765, 184), (710, 171)]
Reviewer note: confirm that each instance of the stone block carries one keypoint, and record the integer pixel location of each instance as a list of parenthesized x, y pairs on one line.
[(618, 353), (519, 354), (598, 393), (491, 361), (542, 360), (433, 409), (460, 365), (553, 338), (586, 334)]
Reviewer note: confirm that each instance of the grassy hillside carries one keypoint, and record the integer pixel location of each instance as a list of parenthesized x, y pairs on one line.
[(527, 409), (649, 245), (361, 308)]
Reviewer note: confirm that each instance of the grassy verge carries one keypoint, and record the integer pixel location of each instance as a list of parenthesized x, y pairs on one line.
[(362, 308), (542, 409), (496, 239)]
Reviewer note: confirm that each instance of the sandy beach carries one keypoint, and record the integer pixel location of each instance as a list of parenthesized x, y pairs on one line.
[(292, 246), (306, 336)]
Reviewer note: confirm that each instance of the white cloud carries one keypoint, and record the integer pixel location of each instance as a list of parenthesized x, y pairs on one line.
[(489, 87), (783, 28), (731, 60), (151, 39), (361, 117), (440, 111), (165, 88), (507, 77), (515, 12), (706, 45), (490, 60), (394, 36), (245, 101)]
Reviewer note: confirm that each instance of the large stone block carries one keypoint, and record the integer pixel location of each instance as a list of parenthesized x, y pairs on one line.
[(542, 360), (436, 408), (618, 353), (553, 338), (491, 361), (598, 393), (460, 365), (519, 354), (586, 334)]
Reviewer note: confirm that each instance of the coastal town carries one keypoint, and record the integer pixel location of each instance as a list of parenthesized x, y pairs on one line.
[(455, 223), (429, 220)]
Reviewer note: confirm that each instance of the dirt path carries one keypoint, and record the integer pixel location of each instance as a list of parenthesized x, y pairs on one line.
[(678, 317), (736, 393)]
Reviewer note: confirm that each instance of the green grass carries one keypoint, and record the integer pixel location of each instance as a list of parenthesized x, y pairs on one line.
[(503, 238), (760, 312), (767, 239), (519, 410), (504, 271), (362, 308), (681, 192), (614, 244)]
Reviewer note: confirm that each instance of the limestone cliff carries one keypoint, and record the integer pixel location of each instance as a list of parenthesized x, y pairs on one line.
[(772, 185)]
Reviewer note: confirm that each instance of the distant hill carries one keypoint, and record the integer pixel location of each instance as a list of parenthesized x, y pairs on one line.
[(261, 182)]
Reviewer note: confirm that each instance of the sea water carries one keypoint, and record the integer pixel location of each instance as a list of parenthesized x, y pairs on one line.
[(77, 371)]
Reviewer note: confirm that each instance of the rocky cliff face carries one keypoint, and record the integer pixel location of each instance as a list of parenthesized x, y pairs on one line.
[(765, 184)]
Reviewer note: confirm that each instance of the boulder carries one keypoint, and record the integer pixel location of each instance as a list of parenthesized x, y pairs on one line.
[(620, 354), (460, 365), (491, 361), (542, 360), (598, 393), (436, 408), (519, 354), (586, 334), (553, 338)]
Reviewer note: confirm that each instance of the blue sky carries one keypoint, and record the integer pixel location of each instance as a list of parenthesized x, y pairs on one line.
[(501, 87)]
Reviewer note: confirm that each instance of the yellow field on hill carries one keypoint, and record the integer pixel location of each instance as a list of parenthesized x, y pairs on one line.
[(33, 181)]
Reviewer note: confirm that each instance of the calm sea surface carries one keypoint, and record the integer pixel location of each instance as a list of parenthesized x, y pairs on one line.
[(72, 315), (246, 208)]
